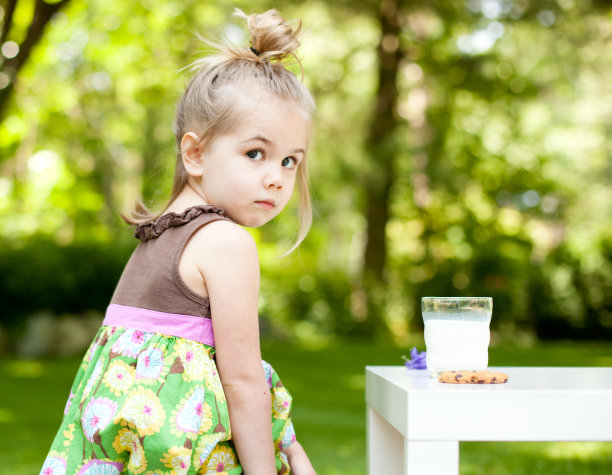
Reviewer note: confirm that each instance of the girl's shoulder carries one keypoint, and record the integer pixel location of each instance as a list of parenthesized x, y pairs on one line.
[(223, 232), (225, 256), (222, 240)]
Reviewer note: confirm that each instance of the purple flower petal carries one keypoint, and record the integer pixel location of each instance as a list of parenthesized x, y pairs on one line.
[(417, 359)]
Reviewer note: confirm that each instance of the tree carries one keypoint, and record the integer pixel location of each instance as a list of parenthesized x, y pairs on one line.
[(382, 149), (14, 54)]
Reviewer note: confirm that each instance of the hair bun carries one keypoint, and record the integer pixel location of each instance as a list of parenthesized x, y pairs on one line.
[(272, 38)]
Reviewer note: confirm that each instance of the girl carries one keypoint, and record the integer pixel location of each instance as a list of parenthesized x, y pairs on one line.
[(173, 381)]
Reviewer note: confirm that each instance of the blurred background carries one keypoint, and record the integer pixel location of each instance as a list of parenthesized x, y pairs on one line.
[(461, 149)]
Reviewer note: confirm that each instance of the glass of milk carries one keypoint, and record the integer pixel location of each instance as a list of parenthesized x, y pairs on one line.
[(456, 333)]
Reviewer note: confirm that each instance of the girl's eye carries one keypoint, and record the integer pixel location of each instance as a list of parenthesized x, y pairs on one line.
[(289, 162), (255, 154)]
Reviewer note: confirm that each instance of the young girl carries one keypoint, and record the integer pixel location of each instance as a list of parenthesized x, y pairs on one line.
[(173, 381)]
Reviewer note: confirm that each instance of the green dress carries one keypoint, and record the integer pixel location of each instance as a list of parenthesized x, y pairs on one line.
[(147, 402)]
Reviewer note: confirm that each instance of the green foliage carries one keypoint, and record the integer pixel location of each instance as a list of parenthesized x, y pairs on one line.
[(39, 275), (495, 184), (501, 160)]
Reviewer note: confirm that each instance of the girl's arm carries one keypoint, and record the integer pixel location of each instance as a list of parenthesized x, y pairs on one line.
[(298, 460), (227, 257)]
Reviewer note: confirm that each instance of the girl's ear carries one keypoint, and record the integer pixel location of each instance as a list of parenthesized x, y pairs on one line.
[(191, 151)]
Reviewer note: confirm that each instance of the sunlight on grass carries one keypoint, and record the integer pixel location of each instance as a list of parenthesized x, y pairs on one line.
[(6, 416), (355, 381), (603, 361), (577, 450), (529, 458), (24, 369)]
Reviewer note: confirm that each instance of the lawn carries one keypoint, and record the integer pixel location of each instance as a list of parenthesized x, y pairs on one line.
[(328, 389)]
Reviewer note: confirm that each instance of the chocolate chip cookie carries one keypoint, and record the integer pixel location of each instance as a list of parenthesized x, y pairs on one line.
[(472, 377)]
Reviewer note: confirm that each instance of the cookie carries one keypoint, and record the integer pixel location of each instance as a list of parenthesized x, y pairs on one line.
[(472, 377), (455, 377)]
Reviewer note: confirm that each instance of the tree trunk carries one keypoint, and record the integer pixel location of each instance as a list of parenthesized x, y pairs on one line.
[(382, 150)]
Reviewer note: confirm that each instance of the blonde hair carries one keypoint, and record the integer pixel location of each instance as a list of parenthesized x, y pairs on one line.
[(211, 102)]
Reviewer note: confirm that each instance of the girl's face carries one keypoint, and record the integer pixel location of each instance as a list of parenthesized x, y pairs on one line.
[(250, 171)]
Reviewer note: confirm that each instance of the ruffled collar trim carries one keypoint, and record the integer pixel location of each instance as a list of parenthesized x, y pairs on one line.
[(153, 229)]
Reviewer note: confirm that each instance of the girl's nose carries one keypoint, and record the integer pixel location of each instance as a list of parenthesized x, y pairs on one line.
[(271, 184), (273, 180)]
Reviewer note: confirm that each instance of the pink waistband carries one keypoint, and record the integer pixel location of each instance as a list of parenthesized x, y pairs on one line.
[(185, 326)]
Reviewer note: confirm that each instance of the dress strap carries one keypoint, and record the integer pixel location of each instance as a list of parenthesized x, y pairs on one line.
[(184, 326), (154, 229)]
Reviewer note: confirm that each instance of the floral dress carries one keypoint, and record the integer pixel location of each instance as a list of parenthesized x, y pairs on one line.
[(146, 402)]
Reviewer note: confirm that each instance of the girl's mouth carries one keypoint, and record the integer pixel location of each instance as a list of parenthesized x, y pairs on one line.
[(266, 204)]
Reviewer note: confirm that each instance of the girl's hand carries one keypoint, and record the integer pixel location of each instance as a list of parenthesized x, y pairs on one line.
[(298, 460)]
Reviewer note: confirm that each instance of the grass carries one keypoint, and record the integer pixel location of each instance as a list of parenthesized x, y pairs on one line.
[(327, 384)]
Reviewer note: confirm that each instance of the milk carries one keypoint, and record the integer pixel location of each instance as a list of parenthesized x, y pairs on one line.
[(456, 344)]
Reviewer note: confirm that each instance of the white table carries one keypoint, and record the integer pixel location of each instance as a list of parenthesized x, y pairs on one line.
[(415, 423)]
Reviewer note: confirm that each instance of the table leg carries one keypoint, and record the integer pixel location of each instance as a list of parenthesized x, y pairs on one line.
[(428, 457), (385, 450), (390, 454)]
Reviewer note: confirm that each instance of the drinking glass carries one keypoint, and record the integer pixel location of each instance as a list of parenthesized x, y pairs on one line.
[(456, 333)]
